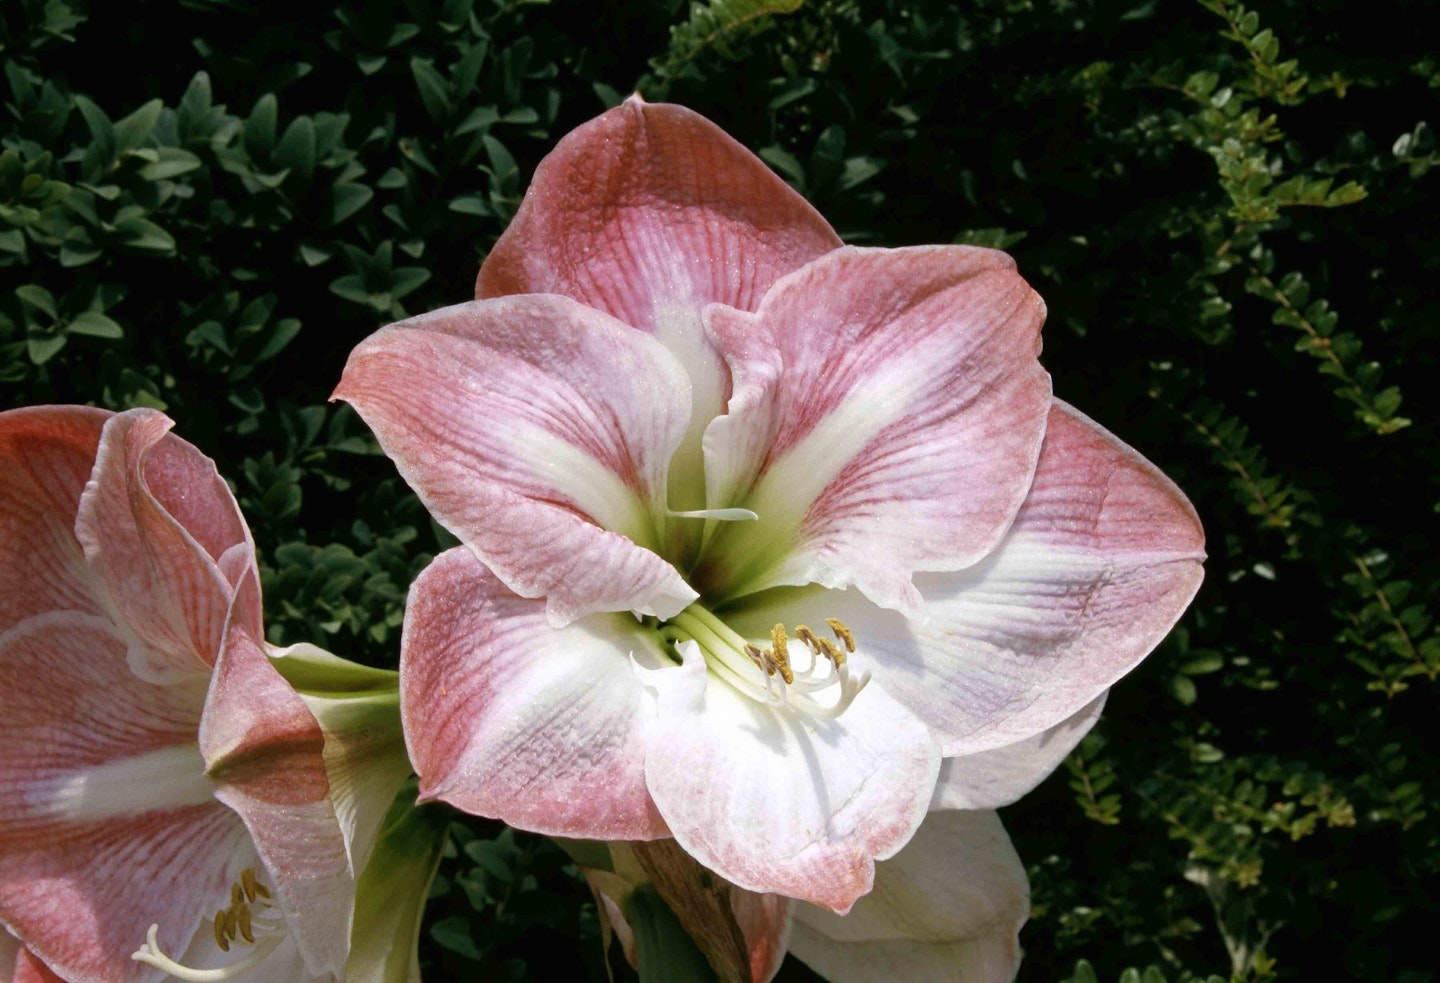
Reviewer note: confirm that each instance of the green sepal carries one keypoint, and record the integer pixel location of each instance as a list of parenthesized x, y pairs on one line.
[(665, 952), (391, 892)]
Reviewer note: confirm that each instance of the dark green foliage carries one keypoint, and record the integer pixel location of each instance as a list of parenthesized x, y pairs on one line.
[(1230, 212)]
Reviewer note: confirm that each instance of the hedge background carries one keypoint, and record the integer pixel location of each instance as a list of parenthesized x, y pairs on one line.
[(204, 204)]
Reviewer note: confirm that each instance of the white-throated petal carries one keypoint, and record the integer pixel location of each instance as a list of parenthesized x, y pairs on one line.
[(778, 802)]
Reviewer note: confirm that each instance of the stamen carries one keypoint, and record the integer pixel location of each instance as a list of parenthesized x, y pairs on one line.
[(842, 632), (780, 682), (756, 656), (780, 653), (246, 918)]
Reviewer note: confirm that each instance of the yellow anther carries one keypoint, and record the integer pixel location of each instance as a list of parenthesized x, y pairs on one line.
[(780, 653), (807, 636), (832, 652), (238, 920), (842, 632)]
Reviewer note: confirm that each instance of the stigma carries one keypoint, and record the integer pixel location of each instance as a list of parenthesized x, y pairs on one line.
[(250, 919), (813, 678)]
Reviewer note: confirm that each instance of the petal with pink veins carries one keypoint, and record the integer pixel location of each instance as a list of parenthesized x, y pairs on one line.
[(264, 751), (651, 206), (46, 454), (781, 803), (155, 520), (1000, 776), (649, 212), (510, 718), (1102, 560), (539, 432), (947, 907), (108, 825), (887, 414)]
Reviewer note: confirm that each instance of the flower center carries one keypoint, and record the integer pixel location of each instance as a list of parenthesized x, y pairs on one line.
[(818, 683), (251, 917)]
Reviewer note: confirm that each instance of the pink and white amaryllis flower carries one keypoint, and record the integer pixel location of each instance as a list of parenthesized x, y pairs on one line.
[(163, 791), (758, 529)]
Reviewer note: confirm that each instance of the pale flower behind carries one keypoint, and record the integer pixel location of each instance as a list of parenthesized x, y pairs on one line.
[(163, 790)]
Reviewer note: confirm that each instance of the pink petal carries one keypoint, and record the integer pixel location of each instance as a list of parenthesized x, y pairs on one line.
[(155, 520), (650, 212), (539, 432), (778, 803), (265, 753), (1102, 560), (510, 718), (947, 907), (46, 453), (887, 414), (108, 825), (19, 965), (648, 207), (1000, 776)]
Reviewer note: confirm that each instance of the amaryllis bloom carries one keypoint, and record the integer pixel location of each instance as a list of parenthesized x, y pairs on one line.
[(758, 529), (164, 792)]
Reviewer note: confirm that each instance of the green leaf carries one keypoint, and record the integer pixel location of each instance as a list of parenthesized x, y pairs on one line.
[(196, 101), (38, 297), (349, 199), (170, 162), (260, 127), (101, 129), (134, 129), (1201, 664), (350, 287), (96, 325), (141, 233), (1183, 688), (453, 933), (42, 348), (296, 149), (470, 205), (406, 280), (480, 118), (314, 255), (434, 93), (281, 335), (392, 179)]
